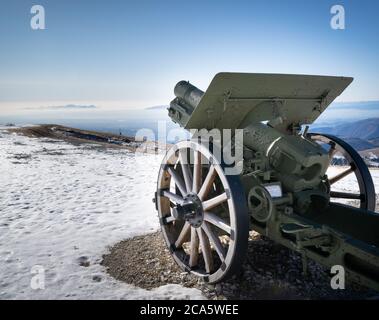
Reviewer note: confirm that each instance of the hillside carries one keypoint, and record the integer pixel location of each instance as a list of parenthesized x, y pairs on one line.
[(363, 135), (74, 135), (367, 129), (78, 137), (62, 205), (66, 209)]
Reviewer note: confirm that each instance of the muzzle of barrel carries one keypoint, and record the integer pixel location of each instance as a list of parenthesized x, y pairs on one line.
[(188, 93)]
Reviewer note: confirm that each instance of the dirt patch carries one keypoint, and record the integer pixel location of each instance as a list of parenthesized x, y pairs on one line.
[(270, 271), (55, 133), (134, 261), (100, 140)]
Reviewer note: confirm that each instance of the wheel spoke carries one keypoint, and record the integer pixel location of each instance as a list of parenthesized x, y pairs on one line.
[(186, 171), (214, 239), (168, 219), (217, 221), (342, 175), (194, 254), (206, 250), (208, 183), (214, 202), (199, 214), (178, 181), (173, 197), (196, 172), (345, 195), (332, 150), (183, 236)]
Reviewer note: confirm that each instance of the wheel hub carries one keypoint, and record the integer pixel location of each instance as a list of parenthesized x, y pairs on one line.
[(190, 210)]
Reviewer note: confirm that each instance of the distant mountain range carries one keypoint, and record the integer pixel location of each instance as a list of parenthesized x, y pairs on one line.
[(362, 134), (64, 107)]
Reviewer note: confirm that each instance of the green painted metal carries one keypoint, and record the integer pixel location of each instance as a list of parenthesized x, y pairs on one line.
[(271, 108), (299, 163), (234, 100)]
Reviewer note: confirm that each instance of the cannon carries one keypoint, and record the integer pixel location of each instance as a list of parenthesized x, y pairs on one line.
[(285, 188)]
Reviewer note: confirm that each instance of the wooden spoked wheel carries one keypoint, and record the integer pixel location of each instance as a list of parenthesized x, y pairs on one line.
[(202, 211), (352, 164)]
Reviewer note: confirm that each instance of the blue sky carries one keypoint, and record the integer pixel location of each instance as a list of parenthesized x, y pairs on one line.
[(131, 53)]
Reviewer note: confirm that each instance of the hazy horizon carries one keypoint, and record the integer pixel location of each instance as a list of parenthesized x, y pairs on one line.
[(129, 121)]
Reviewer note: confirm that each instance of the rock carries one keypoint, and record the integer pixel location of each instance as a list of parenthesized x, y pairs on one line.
[(269, 272), (83, 261)]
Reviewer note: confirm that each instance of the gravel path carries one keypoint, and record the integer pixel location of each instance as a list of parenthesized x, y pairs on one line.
[(271, 271)]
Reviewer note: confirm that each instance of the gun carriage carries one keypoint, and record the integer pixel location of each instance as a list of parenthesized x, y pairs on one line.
[(282, 189)]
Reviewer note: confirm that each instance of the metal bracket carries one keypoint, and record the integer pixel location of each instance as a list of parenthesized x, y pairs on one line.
[(316, 241), (277, 99)]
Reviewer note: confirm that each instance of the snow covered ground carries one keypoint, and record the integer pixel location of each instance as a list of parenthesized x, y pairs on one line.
[(349, 183), (61, 207)]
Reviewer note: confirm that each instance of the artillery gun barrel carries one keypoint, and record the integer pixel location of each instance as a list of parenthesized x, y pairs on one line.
[(283, 190), (188, 93), (299, 163), (187, 99)]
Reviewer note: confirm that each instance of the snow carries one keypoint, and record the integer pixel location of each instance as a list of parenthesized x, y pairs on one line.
[(372, 156), (62, 204), (350, 183)]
